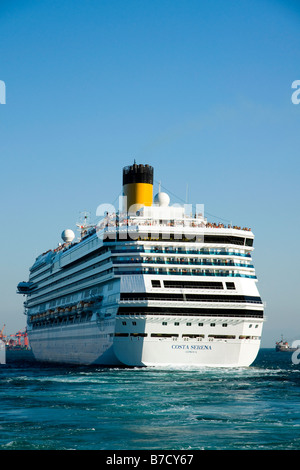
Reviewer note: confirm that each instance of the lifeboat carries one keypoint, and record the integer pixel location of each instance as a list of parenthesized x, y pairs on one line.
[(25, 287)]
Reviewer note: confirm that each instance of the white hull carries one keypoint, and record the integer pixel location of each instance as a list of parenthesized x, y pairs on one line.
[(204, 354), (78, 344), (90, 344)]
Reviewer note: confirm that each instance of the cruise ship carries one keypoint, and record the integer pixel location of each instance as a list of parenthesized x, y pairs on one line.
[(151, 284)]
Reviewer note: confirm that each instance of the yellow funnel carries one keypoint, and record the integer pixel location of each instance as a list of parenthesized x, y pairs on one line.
[(137, 187)]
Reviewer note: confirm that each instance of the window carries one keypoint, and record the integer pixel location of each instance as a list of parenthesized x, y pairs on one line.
[(222, 336), (176, 323), (163, 335), (134, 323), (200, 324), (193, 284), (188, 324), (155, 283), (226, 239), (249, 242), (193, 336), (224, 325), (164, 323), (230, 285), (249, 337), (212, 324), (142, 335), (124, 323)]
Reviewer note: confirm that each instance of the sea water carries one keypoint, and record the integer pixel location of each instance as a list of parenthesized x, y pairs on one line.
[(47, 407)]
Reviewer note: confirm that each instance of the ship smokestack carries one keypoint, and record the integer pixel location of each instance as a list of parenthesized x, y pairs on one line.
[(137, 187)]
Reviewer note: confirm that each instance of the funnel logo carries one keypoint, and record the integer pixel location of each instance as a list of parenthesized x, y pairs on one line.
[(2, 352), (2, 92)]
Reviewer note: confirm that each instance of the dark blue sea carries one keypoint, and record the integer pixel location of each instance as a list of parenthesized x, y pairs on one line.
[(81, 408)]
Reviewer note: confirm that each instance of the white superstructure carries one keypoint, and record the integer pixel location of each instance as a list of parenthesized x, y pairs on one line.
[(151, 286)]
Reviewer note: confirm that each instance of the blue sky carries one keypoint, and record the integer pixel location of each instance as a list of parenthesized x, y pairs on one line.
[(201, 90)]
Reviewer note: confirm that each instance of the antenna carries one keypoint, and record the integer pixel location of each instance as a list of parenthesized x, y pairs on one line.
[(84, 219), (83, 223)]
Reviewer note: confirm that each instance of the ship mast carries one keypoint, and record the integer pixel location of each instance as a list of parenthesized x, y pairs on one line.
[(84, 224)]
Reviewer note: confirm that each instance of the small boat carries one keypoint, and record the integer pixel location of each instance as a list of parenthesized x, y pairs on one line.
[(283, 346)]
